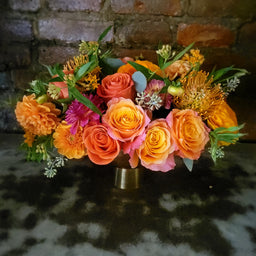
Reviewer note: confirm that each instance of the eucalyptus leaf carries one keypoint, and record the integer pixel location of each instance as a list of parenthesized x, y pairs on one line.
[(189, 163), (140, 81), (114, 63)]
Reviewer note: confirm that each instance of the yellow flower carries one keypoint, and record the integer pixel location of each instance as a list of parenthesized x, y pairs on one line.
[(222, 116), (196, 58), (69, 145)]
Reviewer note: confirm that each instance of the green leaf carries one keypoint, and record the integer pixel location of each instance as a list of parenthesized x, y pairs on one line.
[(189, 163), (219, 73), (146, 72), (178, 56), (38, 87), (76, 94), (104, 33), (55, 79), (83, 70)]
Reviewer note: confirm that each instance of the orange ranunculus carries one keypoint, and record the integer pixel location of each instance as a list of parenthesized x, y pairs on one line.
[(178, 68), (101, 148), (222, 116), (156, 152), (189, 132), (35, 118), (69, 145), (124, 119), (115, 86), (127, 68)]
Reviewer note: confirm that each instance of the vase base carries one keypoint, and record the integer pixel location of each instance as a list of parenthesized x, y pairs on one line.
[(127, 178)]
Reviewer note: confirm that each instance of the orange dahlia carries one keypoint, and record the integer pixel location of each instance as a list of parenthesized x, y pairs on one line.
[(35, 118), (69, 145), (127, 68)]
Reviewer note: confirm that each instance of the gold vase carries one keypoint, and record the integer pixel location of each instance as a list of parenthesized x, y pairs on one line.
[(127, 178)]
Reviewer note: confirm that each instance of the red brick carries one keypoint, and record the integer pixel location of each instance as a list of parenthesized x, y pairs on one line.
[(134, 53), (75, 5), (25, 5), (209, 35), (14, 56), (171, 7), (220, 8), (56, 54), (16, 30), (147, 33), (72, 30)]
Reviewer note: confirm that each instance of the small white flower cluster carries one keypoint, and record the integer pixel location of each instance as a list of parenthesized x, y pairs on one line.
[(52, 164), (149, 101), (219, 152), (231, 85)]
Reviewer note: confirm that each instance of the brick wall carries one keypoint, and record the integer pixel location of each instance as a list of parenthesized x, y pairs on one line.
[(36, 32)]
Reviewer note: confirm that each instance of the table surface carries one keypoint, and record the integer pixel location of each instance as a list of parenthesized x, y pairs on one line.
[(209, 211)]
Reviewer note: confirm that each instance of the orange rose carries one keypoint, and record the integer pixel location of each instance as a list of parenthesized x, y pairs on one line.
[(189, 132), (124, 119), (222, 116), (177, 68), (156, 151), (101, 148), (127, 68), (115, 86)]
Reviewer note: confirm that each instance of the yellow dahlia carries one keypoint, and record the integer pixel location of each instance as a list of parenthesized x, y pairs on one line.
[(69, 145), (199, 94), (35, 118)]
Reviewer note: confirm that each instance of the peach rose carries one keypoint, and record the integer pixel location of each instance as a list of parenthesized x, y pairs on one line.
[(222, 116), (177, 68), (189, 132), (124, 119), (156, 152), (101, 148), (115, 86)]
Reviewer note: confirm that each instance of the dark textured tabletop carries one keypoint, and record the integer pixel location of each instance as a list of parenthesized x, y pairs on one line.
[(209, 211)]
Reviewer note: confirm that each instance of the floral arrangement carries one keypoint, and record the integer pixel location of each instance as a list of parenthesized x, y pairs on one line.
[(98, 106)]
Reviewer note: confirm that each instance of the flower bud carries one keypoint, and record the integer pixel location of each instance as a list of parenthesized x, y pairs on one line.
[(175, 91), (42, 99)]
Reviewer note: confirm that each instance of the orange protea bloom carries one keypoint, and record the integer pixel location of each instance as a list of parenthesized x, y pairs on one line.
[(195, 58), (127, 68), (35, 118), (69, 145), (199, 94)]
